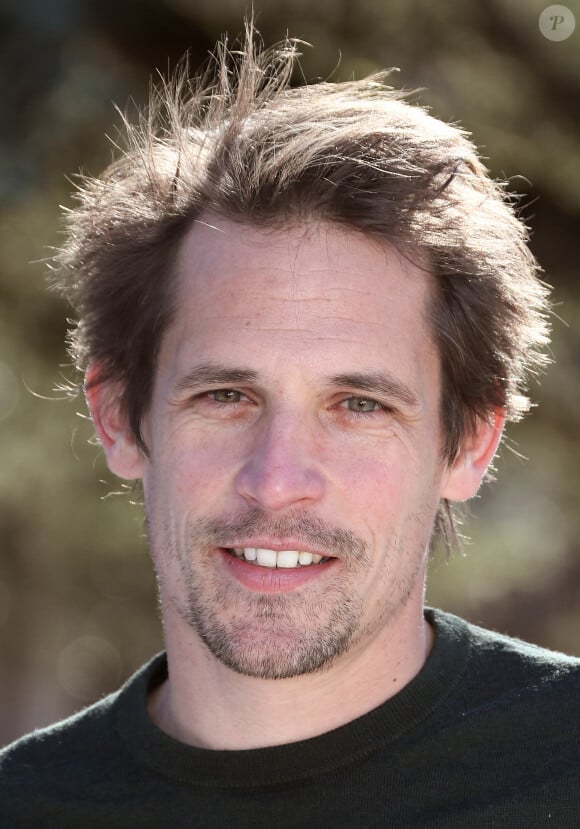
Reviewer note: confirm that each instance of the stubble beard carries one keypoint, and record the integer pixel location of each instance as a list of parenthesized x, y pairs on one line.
[(271, 639), (272, 636)]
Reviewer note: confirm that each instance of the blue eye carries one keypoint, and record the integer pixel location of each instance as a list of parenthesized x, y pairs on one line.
[(226, 395), (362, 404)]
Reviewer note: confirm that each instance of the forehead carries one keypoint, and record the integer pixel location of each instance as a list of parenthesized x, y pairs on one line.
[(318, 263), (312, 291)]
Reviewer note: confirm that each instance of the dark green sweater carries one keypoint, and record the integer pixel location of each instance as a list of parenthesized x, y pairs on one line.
[(487, 735)]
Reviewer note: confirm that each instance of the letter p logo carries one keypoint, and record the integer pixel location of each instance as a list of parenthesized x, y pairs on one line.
[(557, 23)]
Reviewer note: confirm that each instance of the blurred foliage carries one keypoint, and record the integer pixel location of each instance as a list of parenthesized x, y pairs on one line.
[(77, 597)]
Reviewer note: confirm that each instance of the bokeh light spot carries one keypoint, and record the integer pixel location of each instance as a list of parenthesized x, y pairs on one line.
[(88, 666)]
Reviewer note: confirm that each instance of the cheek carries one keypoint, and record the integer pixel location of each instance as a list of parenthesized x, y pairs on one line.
[(382, 465), (393, 492), (375, 489), (191, 469)]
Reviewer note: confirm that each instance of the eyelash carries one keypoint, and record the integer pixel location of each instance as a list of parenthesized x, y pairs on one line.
[(379, 407), (211, 394)]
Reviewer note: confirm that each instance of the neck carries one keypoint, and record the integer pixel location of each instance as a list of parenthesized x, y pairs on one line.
[(205, 704)]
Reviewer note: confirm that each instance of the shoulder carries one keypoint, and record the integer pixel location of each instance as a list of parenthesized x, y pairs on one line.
[(510, 726), (57, 765), (514, 682), (498, 652), (61, 740), (81, 751), (523, 662)]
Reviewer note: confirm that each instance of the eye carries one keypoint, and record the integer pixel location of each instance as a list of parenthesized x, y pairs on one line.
[(362, 404), (226, 395)]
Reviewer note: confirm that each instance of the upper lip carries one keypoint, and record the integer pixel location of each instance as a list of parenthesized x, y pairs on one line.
[(286, 544)]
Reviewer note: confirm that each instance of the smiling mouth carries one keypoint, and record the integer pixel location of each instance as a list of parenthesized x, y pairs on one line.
[(277, 559)]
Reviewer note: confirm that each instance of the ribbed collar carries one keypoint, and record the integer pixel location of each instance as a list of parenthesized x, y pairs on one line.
[(253, 768)]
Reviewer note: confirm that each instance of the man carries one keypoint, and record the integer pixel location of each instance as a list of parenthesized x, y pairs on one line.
[(304, 315)]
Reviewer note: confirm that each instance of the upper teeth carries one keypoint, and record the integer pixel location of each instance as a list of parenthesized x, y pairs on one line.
[(277, 558)]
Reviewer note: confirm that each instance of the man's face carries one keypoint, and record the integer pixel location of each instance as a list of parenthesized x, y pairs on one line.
[(296, 408)]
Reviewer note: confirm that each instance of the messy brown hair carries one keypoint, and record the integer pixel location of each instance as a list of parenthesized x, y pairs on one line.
[(241, 142)]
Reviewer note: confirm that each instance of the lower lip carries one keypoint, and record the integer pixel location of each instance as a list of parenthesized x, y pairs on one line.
[(273, 579)]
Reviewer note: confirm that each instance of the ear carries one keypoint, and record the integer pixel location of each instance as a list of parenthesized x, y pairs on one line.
[(464, 475), (124, 457)]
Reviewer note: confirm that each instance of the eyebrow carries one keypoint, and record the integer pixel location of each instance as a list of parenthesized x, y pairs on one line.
[(210, 373), (376, 382)]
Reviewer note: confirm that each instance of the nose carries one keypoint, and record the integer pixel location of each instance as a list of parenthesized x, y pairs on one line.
[(281, 470)]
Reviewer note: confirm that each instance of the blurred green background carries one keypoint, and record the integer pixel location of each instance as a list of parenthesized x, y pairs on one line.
[(77, 600)]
